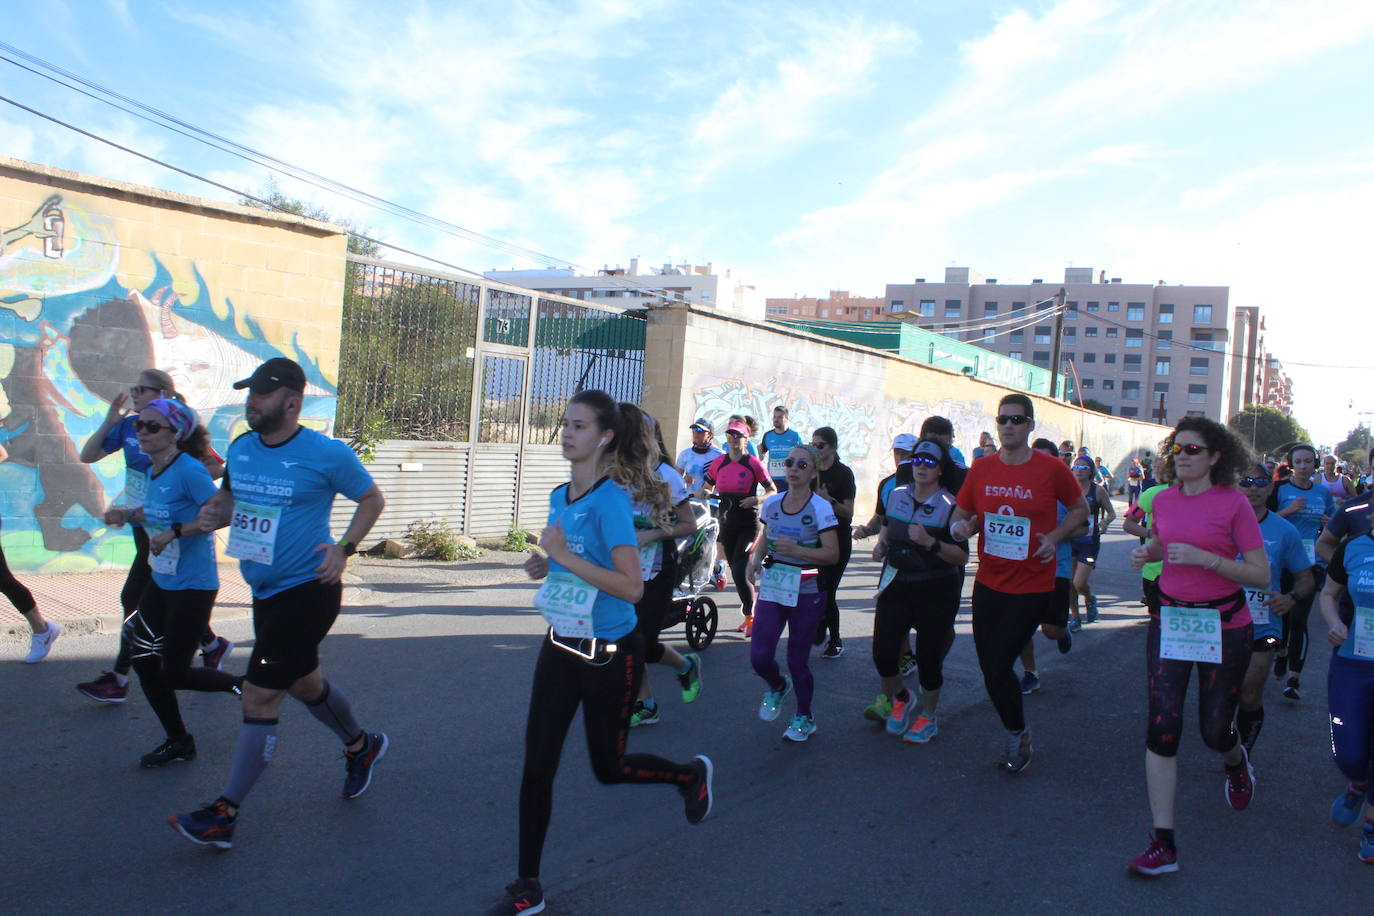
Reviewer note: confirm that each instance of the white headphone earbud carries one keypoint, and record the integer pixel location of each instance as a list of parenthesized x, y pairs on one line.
[(602, 442)]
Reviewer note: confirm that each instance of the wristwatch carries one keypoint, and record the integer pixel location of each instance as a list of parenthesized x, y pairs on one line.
[(349, 548), (176, 530)]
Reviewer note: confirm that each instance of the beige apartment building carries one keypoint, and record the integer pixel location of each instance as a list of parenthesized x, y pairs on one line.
[(840, 305), (1150, 351)]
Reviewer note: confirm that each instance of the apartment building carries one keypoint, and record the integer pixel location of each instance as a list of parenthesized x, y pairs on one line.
[(1151, 351), (840, 305), (698, 284)]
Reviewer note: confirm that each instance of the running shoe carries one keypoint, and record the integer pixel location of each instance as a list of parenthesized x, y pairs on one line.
[(643, 715), (1092, 609), (358, 766), (907, 666), (768, 709), (691, 679), (1030, 682), (105, 689), (697, 794), (1157, 859), (1366, 853), (746, 626), (1018, 755), (172, 749), (1075, 625), (40, 644), (1240, 782), (1280, 665), (1346, 808), (524, 897), (1291, 689), (216, 653), (922, 730), (879, 709), (212, 825), (902, 710), (1065, 642), (834, 650), (802, 727)]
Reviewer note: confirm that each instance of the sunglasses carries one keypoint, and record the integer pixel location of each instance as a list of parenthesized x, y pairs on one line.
[(1014, 419), (820, 445), (136, 390), (1189, 449), (1084, 467), (152, 427), (735, 435), (925, 461), (800, 463), (1255, 481)]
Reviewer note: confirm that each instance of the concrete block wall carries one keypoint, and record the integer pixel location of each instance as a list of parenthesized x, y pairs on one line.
[(100, 280), (700, 363)]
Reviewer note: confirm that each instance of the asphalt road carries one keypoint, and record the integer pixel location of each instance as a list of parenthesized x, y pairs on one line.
[(851, 821)]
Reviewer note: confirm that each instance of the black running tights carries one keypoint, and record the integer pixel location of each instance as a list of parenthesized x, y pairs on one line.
[(162, 637), (737, 533), (1218, 692), (14, 590), (606, 693)]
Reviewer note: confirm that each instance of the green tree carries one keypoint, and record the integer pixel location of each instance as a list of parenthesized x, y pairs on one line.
[(1355, 446), (1266, 429), (1098, 406), (276, 200)]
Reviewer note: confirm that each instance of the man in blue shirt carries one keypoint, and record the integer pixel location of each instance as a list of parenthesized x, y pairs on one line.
[(777, 442), (278, 490)]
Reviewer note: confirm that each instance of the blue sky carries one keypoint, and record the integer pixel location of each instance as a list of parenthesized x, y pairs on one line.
[(807, 146)]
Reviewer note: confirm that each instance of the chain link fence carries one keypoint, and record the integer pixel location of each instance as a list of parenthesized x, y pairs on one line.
[(409, 347)]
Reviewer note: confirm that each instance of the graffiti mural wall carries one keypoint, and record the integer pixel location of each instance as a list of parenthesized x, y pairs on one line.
[(99, 281), (730, 366)]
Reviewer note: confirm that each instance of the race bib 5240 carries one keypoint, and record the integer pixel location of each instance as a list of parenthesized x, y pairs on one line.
[(566, 603)]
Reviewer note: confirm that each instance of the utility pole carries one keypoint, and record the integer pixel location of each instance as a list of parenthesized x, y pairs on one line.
[(1058, 335)]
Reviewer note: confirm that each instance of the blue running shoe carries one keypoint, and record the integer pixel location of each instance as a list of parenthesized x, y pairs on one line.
[(212, 825), (358, 767), (802, 727), (768, 709), (899, 718), (1346, 808), (1092, 609), (1366, 853)]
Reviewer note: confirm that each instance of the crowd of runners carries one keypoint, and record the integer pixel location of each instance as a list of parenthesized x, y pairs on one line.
[(1235, 551)]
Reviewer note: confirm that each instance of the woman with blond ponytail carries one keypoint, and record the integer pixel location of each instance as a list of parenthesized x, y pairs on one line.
[(593, 653)]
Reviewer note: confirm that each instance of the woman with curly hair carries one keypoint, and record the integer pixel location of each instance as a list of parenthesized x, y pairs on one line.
[(593, 654), (1212, 549)]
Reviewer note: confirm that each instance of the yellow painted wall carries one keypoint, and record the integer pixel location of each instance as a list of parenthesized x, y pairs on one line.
[(99, 280), (699, 363)]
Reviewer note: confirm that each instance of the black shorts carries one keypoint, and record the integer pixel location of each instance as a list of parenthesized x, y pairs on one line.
[(1266, 644), (1085, 550), (288, 628)]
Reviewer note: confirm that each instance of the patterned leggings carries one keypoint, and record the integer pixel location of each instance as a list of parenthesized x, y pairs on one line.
[(1218, 692)]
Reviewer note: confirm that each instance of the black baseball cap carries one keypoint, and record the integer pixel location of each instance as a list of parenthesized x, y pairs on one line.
[(278, 372)]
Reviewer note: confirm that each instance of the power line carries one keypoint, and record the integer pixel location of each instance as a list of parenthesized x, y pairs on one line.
[(264, 160)]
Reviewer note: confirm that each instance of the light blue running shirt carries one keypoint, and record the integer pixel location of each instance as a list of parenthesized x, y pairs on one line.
[(596, 523), (1285, 550), (283, 495), (175, 494)]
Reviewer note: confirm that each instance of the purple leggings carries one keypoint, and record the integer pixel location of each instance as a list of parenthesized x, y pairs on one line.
[(801, 622)]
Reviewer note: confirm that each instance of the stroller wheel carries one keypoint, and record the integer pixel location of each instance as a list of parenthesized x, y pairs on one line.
[(701, 621)]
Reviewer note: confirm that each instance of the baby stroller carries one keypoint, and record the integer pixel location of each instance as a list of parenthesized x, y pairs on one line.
[(695, 558)]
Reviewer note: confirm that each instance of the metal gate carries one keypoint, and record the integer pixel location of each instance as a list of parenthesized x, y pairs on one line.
[(483, 367)]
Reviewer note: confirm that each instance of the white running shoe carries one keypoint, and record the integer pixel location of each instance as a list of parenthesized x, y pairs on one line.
[(40, 644)]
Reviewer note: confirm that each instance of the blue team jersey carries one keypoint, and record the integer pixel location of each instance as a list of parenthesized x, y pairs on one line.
[(1063, 552), (1352, 566), (175, 494), (776, 446), (1285, 550), (122, 436), (1308, 520), (594, 524), (283, 495), (136, 463)]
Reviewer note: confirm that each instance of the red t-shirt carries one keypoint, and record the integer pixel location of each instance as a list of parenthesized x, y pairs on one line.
[(737, 478), (1032, 491)]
